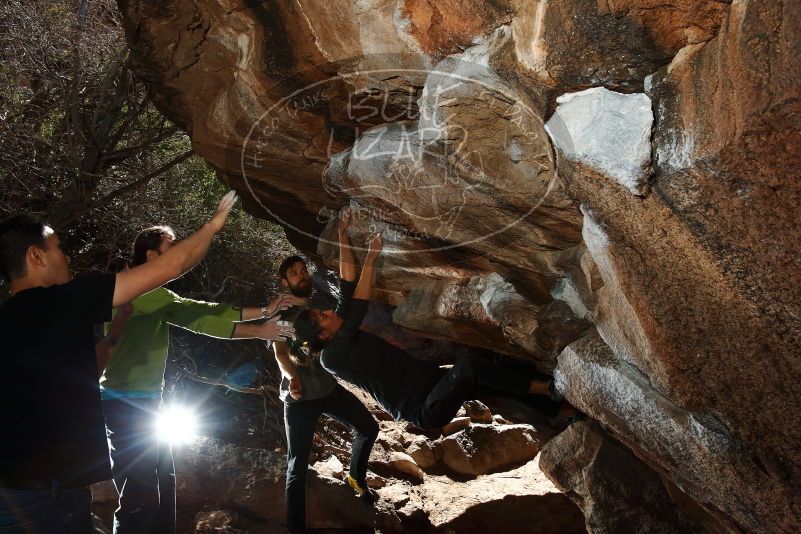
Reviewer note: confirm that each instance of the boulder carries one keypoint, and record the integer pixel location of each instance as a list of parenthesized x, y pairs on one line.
[(395, 461), (520, 500), (424, 452), (481, 449), (477, 411), (615, 44), (456, 425), (404, 463), (216, 521), (616, 491), (331, 468), (607, 131), (668, 437)]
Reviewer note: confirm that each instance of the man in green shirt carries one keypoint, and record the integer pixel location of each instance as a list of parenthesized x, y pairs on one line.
[(132, 384)]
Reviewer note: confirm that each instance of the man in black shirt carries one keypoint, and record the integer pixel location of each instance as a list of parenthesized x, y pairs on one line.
[(408, 388), (54, 442), (309, 391)]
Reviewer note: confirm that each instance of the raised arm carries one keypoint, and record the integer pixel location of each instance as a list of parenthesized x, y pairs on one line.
[(365, 286), (176, 261), (347, 262)]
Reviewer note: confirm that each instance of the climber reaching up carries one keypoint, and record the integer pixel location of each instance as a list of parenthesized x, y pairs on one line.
[(408, 388)]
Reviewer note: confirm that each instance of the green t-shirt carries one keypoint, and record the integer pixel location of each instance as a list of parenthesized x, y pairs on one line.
[(140, 356)]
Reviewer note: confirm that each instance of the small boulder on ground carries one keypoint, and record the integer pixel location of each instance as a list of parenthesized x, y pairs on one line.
[(482, 449), (478, 412), (402, 462), (216, 522), (423, 452), (459, 423)]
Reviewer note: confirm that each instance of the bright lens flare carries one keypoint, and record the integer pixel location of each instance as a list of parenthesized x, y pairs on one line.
[(176, 425)]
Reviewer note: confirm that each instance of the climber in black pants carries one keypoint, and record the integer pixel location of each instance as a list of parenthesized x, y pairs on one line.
[(300, 419), (308, 391), (418, 391)]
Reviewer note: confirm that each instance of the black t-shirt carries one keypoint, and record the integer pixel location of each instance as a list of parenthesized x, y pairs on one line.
[(398, 381), (51, 416)]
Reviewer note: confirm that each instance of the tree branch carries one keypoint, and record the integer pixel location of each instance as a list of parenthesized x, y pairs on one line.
[(141, 181)]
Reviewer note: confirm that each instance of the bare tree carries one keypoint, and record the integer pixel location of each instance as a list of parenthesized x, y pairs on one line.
[(77, 129)]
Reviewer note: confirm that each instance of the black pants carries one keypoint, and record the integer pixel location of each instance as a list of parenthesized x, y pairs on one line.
[(460, 383), (300, 419), (143, 468)]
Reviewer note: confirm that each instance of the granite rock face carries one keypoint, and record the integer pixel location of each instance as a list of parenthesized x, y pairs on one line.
[(652, 262), (616, 491), (607, 131)]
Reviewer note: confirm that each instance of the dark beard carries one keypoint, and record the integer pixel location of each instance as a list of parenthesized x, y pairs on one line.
[(302, 290)]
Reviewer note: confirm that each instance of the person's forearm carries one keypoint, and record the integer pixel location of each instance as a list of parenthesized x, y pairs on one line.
[(365, 286), (105, 348), (285, 363), (347, 261), (246, 331), (103, 355), (117, 327), (250, 314)]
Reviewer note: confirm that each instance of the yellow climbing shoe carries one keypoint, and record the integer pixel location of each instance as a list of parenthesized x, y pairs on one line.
[(355, 485)]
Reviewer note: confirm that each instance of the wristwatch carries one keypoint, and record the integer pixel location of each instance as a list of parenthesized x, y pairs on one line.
[(264, 312), (111, 340)]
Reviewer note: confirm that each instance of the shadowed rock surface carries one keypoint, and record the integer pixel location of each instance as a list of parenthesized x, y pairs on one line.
[(615, 490), (660, 280)]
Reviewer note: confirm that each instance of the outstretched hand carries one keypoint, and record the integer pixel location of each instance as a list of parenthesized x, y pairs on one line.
[(375, 245), (276, 329), (217, 221), (283, 302)]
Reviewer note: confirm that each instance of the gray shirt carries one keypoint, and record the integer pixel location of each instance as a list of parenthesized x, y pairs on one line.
[(316, 381)]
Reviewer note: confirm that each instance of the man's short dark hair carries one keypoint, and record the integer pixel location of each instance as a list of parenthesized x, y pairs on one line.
[(287, 263), (17, 235), (149, 239)]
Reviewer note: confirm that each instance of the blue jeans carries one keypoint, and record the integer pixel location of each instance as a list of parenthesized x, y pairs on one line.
[(143, 467), (57, 511)]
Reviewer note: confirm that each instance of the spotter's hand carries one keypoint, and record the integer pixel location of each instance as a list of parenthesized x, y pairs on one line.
[(275, 329), (281, 303), (217, 221)]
